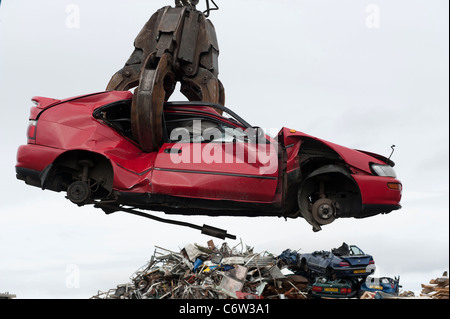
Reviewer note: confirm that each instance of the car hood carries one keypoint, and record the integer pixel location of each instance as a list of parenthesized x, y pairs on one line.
[(356, 158)]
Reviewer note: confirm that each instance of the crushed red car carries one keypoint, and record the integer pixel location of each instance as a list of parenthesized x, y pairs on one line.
[(210, 162)]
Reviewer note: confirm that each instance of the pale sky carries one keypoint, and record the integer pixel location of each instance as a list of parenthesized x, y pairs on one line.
[(363, 74)]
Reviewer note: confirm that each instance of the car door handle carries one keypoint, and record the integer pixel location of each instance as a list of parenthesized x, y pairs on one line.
[(172, 150)]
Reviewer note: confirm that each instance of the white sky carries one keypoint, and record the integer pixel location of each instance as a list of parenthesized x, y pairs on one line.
[(315, 66)]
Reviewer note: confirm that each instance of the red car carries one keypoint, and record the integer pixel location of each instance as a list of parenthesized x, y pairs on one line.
[(208, 163)]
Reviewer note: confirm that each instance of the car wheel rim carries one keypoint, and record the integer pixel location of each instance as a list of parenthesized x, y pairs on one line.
[(78, 192)]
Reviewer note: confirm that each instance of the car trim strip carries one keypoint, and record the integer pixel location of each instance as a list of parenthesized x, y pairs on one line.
[(213, 173), (133, 172)]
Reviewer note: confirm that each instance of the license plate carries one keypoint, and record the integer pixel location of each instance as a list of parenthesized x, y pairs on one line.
[(331, 289), (376, 287), (361, 271)]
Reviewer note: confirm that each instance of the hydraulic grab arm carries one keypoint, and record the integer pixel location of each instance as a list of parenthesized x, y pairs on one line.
[(177, 44)]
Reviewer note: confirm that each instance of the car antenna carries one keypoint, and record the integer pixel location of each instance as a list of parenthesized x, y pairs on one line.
[(393, 149)]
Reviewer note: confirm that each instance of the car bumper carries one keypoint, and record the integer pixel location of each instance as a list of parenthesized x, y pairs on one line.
[(34, 178), (36, 157), (34, 162), (334, 294), (355, 271), (378, 194)]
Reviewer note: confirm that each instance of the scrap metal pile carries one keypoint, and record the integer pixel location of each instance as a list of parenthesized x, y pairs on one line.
[(212, 272), (437, 288), (198, 272)]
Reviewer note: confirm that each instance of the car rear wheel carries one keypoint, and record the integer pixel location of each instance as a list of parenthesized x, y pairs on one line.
[(85, 176), (79, 192)]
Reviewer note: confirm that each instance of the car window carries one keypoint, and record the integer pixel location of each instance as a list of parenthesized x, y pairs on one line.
[(355, 251), (117, 115), (198, 130)]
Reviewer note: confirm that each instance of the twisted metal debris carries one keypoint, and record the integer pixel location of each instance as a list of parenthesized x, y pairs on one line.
[(198, 272)]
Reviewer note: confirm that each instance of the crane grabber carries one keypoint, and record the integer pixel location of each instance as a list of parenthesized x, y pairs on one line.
[(177, 44)]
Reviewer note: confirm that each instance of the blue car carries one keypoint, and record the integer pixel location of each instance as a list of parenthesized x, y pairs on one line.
[(345, 261), (384, 284)]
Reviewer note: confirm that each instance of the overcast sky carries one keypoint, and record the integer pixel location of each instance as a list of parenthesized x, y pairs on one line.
[(363, 74)]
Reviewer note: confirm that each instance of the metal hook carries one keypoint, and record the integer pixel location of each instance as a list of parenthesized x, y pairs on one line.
[(208, 9)]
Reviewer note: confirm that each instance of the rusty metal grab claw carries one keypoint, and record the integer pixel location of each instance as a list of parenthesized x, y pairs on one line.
[(177, 44)]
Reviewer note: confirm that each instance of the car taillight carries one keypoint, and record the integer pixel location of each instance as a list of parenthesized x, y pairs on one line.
[(317, 288), (344, 264), (346, 290), (372, 262), (31, 132)]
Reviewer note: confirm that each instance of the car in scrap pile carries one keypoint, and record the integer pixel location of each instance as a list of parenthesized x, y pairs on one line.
[(210, 162), (384, 284), (335, 288), (343, 262)]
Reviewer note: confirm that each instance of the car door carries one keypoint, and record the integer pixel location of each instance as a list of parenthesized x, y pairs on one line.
[(208, 157)]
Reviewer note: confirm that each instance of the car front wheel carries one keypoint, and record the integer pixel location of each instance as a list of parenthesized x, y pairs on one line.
[(324, 211), (314, 203)]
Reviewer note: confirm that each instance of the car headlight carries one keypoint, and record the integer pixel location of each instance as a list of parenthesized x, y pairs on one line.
[(383, 170)]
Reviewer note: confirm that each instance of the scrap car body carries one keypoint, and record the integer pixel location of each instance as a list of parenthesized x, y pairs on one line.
[(325, 287), (343, 262), (84, 146), (384, 284)]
